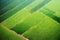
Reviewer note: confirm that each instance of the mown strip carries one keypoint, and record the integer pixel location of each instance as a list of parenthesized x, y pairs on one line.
[(40, 5), (50, 13), (46, 29), (9, 13)]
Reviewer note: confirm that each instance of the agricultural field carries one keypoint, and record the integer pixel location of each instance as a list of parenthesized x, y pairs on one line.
[(29, 19)]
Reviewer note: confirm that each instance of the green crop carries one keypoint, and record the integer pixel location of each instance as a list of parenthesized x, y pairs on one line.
[(29, 19)]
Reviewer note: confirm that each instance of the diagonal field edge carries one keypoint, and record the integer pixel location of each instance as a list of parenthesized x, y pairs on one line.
[(18, 17), (5, 3), (10, 6), (40, 5), (50, 13), (15, 10), (27, 23), (7, 34)]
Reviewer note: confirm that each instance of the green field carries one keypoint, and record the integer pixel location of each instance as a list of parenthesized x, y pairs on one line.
[(34, 19)]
